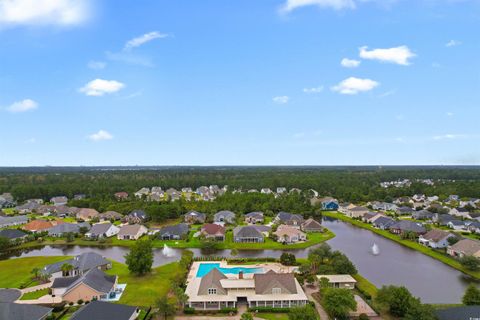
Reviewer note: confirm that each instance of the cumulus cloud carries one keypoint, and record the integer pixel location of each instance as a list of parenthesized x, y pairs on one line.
[(147, 37), (453, 43), (349, 63), (96, 65), (100, 136), (22, 106), (44, 12), (354, 85), (100, 87), (291, 5), (313, 90), (281, 99), (399, 55)]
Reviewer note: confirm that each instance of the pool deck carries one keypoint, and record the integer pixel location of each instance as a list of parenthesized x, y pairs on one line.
[(277, 267)]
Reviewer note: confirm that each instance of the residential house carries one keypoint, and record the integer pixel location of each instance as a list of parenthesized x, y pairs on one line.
[(473, 226), (403, 200), (357, 212), (338, 281), (452, 198), (403, 226), (64, 211), (418, 197), (423, 215), (12, 234), (294, 220), (59, 201), (131, 232), (443, 219), (345, 207), (174, 232), (224, 216), (103, 310), (432, 198), (19, 311), (81, 264), (187, 190), (419, 205), (110, 215), (93, 285), (254, 217), (435, 238), (143, 192), (460, 212), (62, 229), (456, 225), (79, 196), (102, 230), (404, 210), (195, 217), (87, 214), (136, 216), (281, 190), (41, 225), (173, 194), (464, 247), (370, 216), (311, 225), (122, 195), (383, 223), (6, 221), (270, 289), (266, 191), (213, 231), (27, 207), (249, 234), (384, 206), (329, 203), (45, 210), (288, 234), (295, 190)]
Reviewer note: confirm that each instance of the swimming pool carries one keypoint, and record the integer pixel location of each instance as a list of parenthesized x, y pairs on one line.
[(205, 268)]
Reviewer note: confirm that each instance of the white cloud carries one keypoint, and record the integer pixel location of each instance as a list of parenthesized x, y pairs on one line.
[(313, 90), (101, 135), (453, 43), (349, 63), (22, 106), (97, 65), (354, 85), (43, 12), (291, 5), (147, 37), (399, 55), (450, 136), (450, 114), (100, 87), (281, 99)]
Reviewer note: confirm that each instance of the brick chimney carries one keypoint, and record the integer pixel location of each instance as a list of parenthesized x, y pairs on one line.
[(240, 275)]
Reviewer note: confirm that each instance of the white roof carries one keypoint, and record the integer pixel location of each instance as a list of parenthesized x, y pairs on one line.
[(338, 278), (237, 283)]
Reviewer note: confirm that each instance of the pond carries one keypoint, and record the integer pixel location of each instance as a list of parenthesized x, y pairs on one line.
[(427, 278)]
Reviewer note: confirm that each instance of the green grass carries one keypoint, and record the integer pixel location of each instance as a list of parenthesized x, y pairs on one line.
[(407, 243), (14, 272), (271, 316), (364, 285), (145, 290), (34, 295), (312, 239)]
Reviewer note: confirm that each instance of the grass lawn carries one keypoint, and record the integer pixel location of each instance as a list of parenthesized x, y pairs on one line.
[(14, 272), (271, 316), (34, 295), (407, 243), (145, 290), (313, 239), (365, 286)]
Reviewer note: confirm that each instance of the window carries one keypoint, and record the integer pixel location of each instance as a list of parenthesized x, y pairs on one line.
[(276, 291), (212, 291)]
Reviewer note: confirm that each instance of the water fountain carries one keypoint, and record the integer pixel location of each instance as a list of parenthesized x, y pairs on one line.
[(375, 249), (167, 251)]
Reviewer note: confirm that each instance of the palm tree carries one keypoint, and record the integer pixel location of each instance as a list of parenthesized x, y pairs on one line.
[(66, 268), (165, 307), (35, 272)]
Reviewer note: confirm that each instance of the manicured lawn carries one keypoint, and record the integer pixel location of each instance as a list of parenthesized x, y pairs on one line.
[(144, 290), (407, 243), (272, 316), (365, 286), (34, 295), (313, 239), (14, 272)]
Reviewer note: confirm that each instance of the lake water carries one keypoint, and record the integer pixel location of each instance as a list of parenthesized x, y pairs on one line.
[(427, 278)]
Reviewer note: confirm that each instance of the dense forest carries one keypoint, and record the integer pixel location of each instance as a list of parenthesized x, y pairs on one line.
[(344, 183)]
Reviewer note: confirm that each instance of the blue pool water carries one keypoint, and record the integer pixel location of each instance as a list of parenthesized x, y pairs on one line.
[(207, 267)]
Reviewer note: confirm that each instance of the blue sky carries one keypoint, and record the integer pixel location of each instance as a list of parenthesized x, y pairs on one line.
[(246, 82)]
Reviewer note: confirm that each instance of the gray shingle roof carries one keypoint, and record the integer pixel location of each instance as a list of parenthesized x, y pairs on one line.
[(247, 232), (96, 279), (255, 214), (16, 311), (100, 229), (9, 295), (225, 214), (212, 280), (100, 310), (67, 227), (64, 282), (265, 282), (406, 225), (83, 262), (177, 229), (12, 234)]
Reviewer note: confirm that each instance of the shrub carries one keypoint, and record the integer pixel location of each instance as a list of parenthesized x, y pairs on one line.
[(363, 316), (228, 310), (269, 309), (80, 302), (188, 310)]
